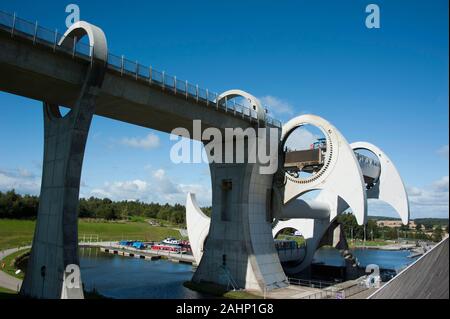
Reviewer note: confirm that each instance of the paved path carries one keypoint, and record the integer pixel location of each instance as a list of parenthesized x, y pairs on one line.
[(290, 292), (183, 232), (8, 281)]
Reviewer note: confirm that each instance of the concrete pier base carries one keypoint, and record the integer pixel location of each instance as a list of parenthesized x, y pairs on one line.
[(239, 251)]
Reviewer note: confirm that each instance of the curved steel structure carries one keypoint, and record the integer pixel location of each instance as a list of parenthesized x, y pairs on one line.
[(340, 165), (389, 187), (197, 226), (96, 36), (254, 102), (341, 184)]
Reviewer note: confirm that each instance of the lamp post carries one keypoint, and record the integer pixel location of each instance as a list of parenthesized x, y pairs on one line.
[(364, 235)]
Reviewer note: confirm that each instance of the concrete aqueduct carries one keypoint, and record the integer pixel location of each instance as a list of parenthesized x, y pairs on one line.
[(62, 70)]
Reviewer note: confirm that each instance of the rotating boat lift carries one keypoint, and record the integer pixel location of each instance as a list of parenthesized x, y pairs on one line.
[(237, 247), (345, 179)]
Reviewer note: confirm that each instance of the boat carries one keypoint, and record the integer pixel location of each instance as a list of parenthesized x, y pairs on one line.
[(167, 247), (171, 241)]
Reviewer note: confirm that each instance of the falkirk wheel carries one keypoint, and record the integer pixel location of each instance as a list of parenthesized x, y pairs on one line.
[(345, 179)]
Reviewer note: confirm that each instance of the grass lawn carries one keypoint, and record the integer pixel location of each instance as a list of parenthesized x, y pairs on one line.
[(124, 230), (15, 233), (7, 291), (377, 242)]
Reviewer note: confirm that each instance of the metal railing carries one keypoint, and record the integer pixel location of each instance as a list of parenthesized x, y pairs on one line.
[(331, 292), (311, 283), (324, 294), (32, 31), (353, 290)]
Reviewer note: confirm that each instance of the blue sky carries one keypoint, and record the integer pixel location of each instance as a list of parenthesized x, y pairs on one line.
[(388, 86)]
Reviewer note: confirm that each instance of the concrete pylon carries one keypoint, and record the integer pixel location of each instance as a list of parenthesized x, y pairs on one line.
[(240, 251), (55, 243)]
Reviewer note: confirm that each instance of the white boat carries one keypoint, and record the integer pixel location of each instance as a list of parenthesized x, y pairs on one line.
[(171, 241)]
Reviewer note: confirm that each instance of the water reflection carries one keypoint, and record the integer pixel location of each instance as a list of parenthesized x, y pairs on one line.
[(386, 259), (132, 278)]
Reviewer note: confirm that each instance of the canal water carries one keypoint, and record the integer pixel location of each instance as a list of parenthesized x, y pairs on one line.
[(132, 278), (385, 259)]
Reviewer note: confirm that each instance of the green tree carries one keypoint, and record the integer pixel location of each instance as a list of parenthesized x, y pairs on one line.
[(437, 234), (207, 211), (107, 212), (13, 205), (391, 233), (372, 229), (164, 212)]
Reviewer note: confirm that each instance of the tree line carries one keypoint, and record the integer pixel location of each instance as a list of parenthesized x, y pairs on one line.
[(373, 231), (16, 206)]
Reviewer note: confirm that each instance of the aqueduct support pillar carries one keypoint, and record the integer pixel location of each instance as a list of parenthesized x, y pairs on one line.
[(240, 251), (55, 243)]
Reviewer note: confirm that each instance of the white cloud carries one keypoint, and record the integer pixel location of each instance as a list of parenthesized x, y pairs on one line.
[(431, 201), (148, 142), (441, 185), (301, 139), (23, 172), (159, 188), (22, 180), (203, 194), (413, 191), (26, 182), (443, 151), (159, 174), (98, 192), (277, 105), (122, 190)]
